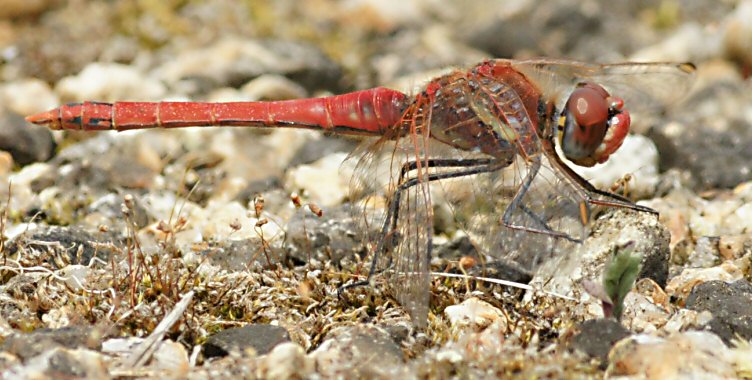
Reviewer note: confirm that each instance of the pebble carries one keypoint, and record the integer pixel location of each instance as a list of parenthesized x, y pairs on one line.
[(333, 236), (27, 144), (730, 304), (595, 337), (692, 354), (28, 96), (61, 363), (637, 157), (325, 182), (237, 255), (359, 351), (231, 61), (62, 244), (738, 34), (6, 163), (286, 361), (110, 82), (564, 274), (273, 87), (681, 285), (26, 346), (473, 314), (226, 217), (261, 338), (172, 358)]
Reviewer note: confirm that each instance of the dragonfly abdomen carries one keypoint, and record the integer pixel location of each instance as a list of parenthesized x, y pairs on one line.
[(367, 112)]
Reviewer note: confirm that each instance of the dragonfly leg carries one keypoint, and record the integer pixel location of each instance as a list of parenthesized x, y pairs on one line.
[(473, 166), (587, 189), (616, 200), (517, 203)]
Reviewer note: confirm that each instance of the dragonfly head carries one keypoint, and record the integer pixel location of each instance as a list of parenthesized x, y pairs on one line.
[(592, 125)]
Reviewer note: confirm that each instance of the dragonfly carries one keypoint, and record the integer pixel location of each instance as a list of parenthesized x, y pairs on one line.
[(486, 141)]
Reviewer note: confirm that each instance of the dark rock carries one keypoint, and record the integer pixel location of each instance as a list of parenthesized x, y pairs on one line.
[(256, 187), (32, 344), (718, 156), (128, 173), (333, 236), (318, 148), (306, 65), (595, 338), (730, 304), (26, 143), (362, 351), (457, 248), (503, 270), (260, 337)]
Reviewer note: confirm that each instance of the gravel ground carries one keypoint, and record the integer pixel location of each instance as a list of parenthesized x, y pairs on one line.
[(201, 253)]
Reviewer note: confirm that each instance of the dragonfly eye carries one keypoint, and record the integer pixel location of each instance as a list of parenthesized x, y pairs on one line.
[(592, 125)]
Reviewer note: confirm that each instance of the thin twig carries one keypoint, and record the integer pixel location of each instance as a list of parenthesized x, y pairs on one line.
[(145, 349)]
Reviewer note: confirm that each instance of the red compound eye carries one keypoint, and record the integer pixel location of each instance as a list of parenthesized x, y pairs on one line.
[(585, 121), (589, 106)]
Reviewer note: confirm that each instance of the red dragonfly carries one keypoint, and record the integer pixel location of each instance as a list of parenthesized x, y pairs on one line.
[(485, 137)]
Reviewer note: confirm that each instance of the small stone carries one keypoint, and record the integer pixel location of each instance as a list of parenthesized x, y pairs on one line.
[(323, 181), (688, 355), (320, 147), (595, 337), (333, 236), (273, 87), (172, 358), (66, 245), (26, 143), (637, 157), (110, 82), (232, 61), (28, 345), (473, 314), (359, 351), (61, 363), (237, 255), (28, 96), (286, 361), (259, 337), (650, 238), (730, 304), (680, 286)]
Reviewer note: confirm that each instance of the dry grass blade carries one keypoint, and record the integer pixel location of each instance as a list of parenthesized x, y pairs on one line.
[(497, 281), (142, 353)]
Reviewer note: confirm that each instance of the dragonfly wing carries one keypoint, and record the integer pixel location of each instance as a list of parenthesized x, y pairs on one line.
[(402, 247), (411, 232), (544, 220), (645, 87)]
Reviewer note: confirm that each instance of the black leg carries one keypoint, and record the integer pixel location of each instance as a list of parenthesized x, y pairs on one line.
[(473, 166), (533, 169)]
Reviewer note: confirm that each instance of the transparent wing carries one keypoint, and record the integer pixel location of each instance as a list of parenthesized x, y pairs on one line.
[(409, 238), (645, 87), (402, 247), (504, 221)]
